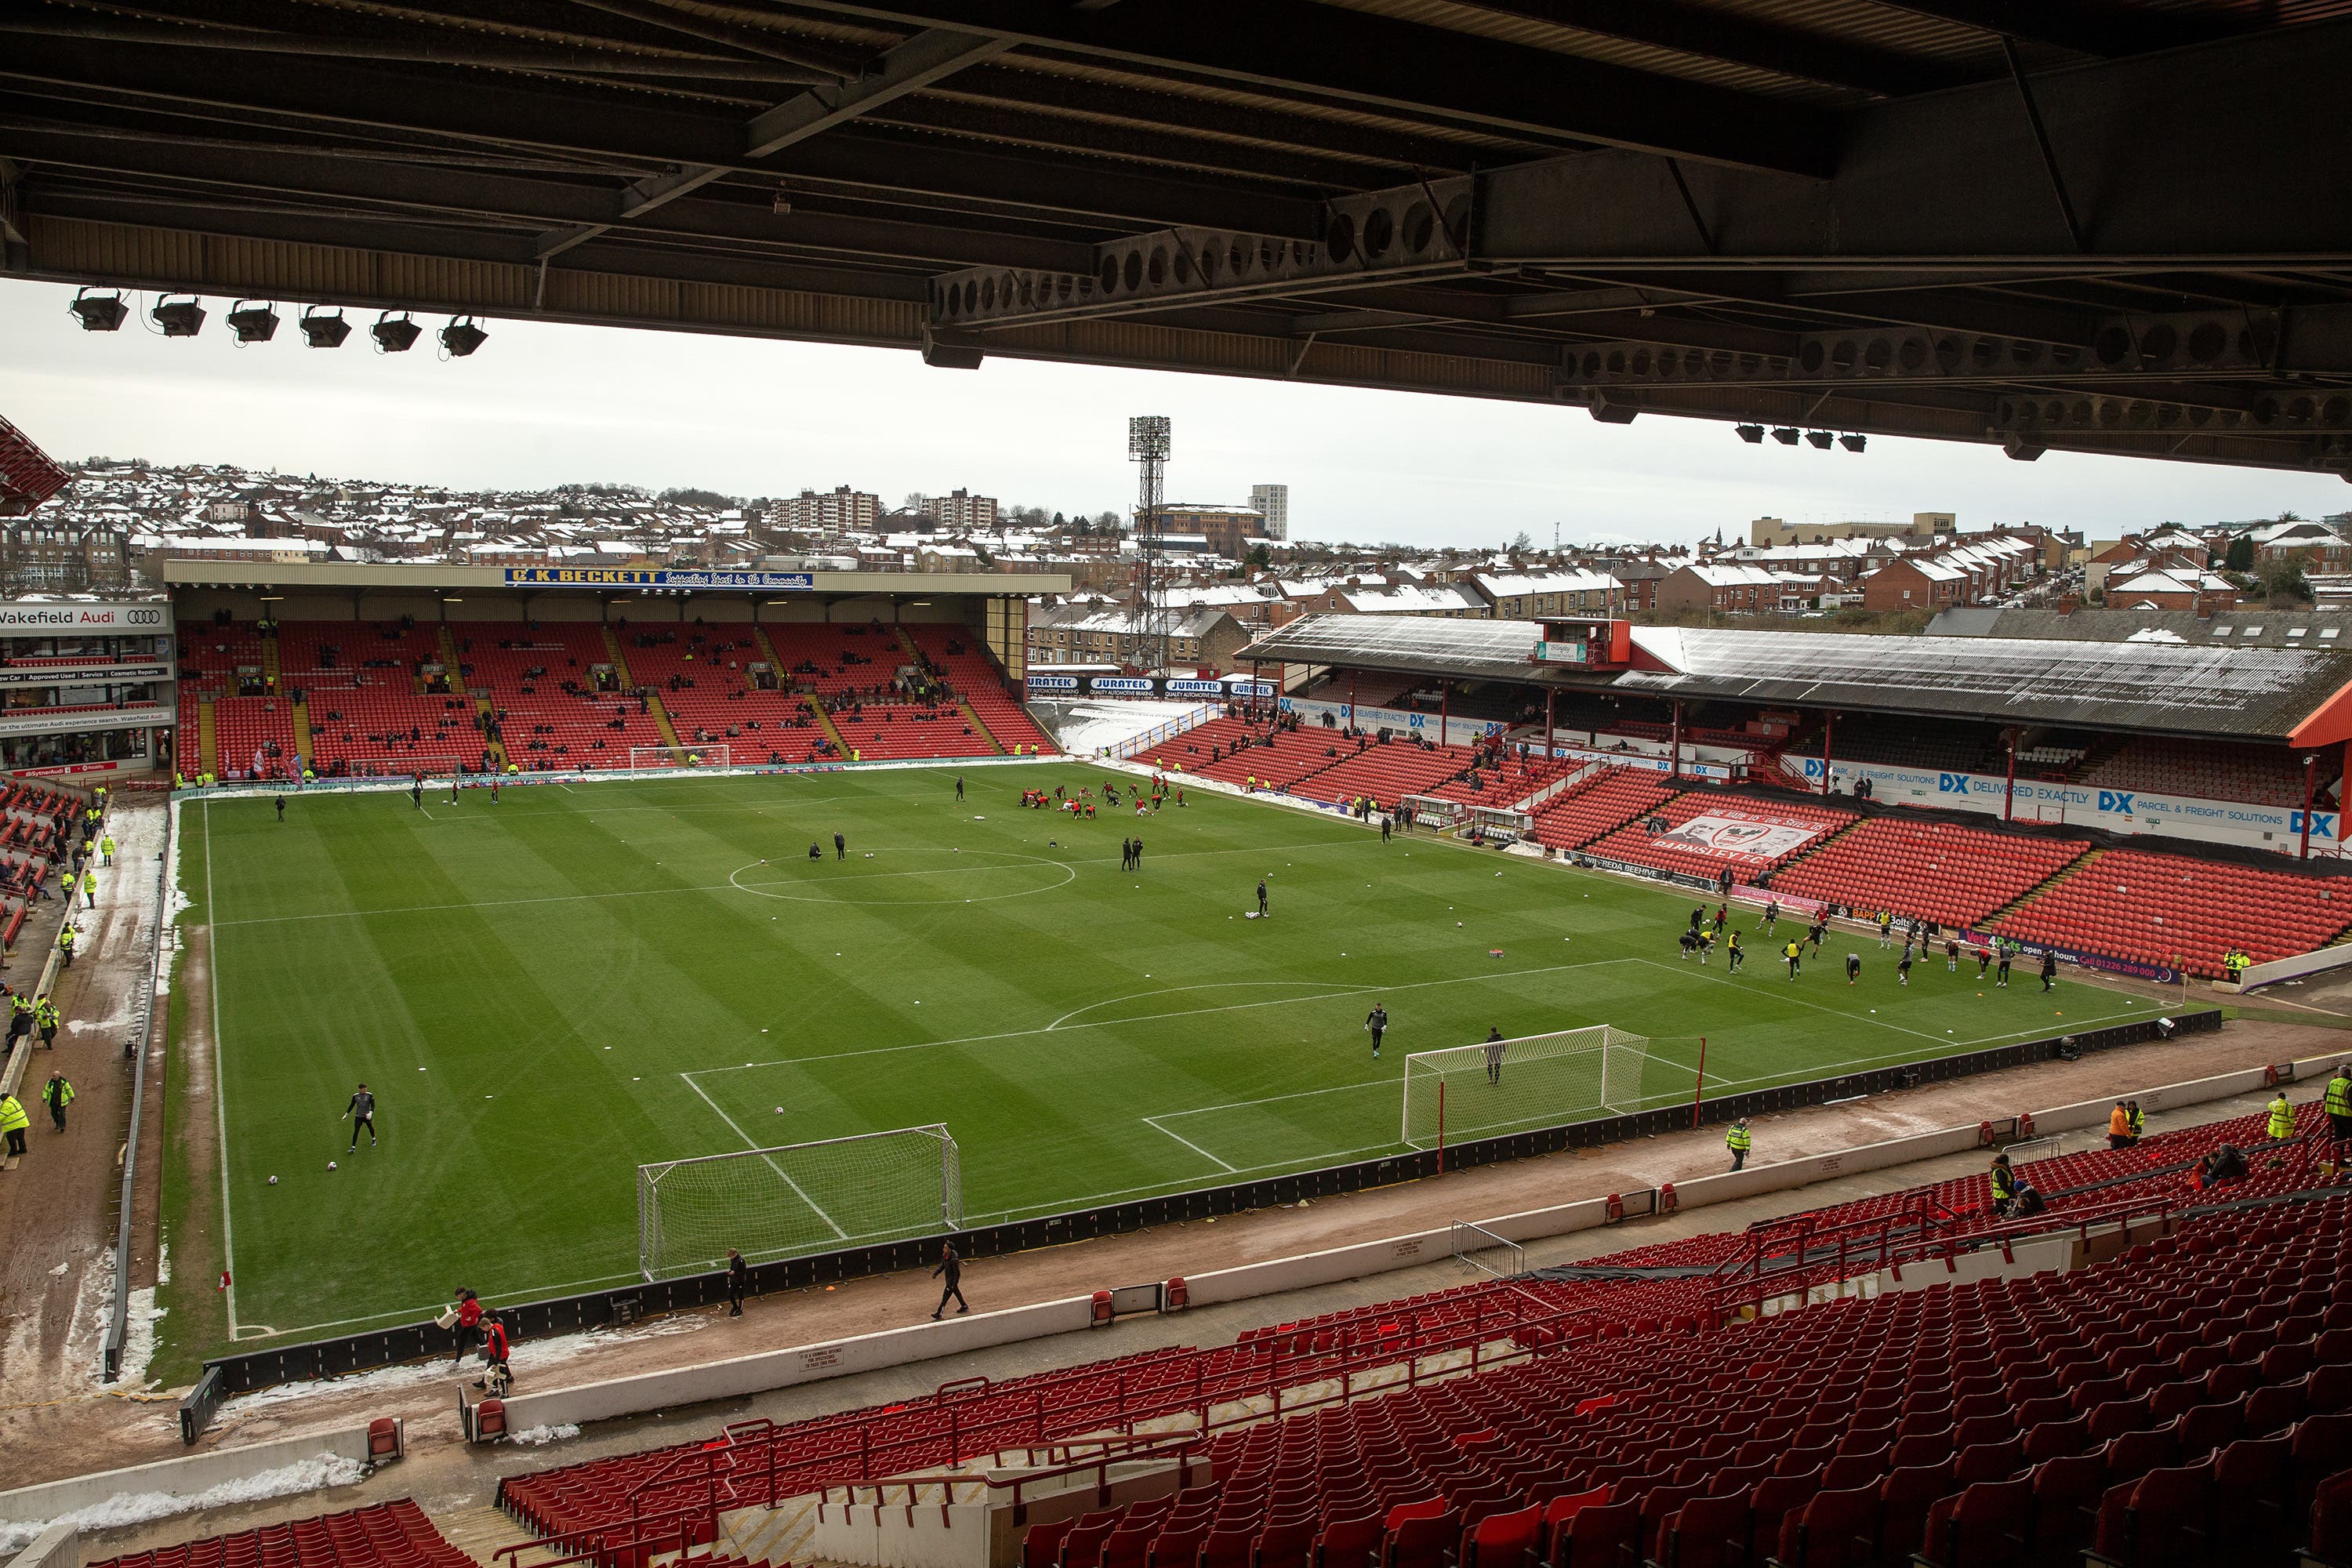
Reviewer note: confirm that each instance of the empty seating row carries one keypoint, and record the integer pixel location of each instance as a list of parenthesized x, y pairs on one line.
[(1598, 806), (2181, 912), (1938, 871), (386, 1535)]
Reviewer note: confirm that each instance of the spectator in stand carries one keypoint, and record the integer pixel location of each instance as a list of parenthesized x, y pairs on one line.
[(2119, 1127)]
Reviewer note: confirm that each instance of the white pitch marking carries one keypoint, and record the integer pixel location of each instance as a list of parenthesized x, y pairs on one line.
[(750, 1142), (1196, 1149)]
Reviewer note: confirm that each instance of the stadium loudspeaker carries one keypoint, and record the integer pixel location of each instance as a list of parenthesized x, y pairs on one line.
[(950, 356)]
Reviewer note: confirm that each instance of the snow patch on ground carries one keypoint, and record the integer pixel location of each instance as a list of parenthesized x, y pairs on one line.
[(141, 1508), (529, 1358), (2155, 633), (532, 1436)]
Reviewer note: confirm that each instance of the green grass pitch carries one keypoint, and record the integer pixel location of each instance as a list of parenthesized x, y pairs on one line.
[(546, 993)]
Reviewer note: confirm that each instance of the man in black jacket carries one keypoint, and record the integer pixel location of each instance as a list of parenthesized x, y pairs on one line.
[(951, 1266)]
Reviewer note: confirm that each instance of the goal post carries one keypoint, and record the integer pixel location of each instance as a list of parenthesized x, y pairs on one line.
[(713, 755), (1510, 1086), (797, 1199)]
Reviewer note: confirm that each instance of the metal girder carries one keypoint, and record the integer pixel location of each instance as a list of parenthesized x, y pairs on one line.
[(508, 116), (1166, 147), (1383, 238), (1402, 67), (452, 50), (518, 202), (925, 59), (1742, 41), (2293, 413), (2315, 340), (828, 57), (2107, 33)]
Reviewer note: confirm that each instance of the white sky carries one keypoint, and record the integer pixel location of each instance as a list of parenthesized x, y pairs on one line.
[(543, 403)]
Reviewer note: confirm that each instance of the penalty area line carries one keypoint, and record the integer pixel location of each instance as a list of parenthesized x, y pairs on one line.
[(750, 1142), (1196, 1149)]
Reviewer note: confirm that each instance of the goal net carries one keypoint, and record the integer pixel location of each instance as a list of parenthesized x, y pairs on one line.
[(1509, 1086), (797, 1199), (713, 755)]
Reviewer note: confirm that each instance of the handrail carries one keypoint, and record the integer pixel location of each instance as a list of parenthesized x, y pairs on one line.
[(1201, 713), (1155, 1445), (1753, 1287)]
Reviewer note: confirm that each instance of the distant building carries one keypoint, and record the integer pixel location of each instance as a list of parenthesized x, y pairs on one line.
[(840, 507), (1915, 583), (49, 552), (1228, 529), (960, 509), (1202, 638), (1726, 588), (1523, 597), (1768, 531), (1272, 502)]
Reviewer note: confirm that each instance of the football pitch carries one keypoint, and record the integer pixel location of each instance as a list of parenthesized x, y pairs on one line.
[(547, 992)]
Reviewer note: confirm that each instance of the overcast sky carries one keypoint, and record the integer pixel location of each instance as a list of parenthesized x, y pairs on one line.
[(543, 403)]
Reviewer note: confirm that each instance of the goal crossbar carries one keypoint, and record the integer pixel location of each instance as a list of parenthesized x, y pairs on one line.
[(795, 1199), (1529, 1082)]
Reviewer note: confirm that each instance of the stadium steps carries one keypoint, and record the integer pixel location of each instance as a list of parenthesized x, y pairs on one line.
[(207, 738), (659, 714), (781, 1533), (298, 713), (2044, 885), (784, 682), (979, 726), (485, 715), (479, 1533)]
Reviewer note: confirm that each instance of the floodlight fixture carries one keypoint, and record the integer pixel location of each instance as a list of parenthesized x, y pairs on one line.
[(2022, 449), (1820, 439), (462, 337), (253, 322), (323, 331), (1785, 434), (1751, 433), (179, 317), (1853, 443), (100, 312), (394, 335), (1148, 437)]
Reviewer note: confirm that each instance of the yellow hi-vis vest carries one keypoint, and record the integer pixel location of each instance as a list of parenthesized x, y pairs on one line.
[(2282, 1120), (1737, 1138)]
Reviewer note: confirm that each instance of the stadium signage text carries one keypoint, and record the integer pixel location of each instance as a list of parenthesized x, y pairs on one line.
[(1147, 686), (2275, 827), (66, 615), (656, 577), (1457, 731)]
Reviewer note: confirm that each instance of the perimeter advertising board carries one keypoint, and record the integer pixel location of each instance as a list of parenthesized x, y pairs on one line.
[(1455, 731), (2275, 827)]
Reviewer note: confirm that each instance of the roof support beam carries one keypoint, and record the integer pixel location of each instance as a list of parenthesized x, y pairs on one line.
[(1400, 67), (1732, 38), (2105, 33), (916, 64)]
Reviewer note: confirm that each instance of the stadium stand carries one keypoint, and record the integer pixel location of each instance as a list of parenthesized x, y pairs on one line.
[(1387, 772), (858, 675), (1860, 1430), (1277, 760), (1596, 806), (2175, 911), (250, 728), (542, 684), (1633, 843), (1940, 871), (1505, 786), (386, 1535), (973, 675), (2260, 776), (705, 678), (1893, 741)]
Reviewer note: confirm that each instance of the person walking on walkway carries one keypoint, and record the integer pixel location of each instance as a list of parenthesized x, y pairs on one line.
[(12, 1122), (56, 1094), (1738, 1141), (738, 1273), (951, 1268)]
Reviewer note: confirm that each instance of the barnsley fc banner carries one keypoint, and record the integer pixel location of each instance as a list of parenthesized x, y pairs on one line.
[(1729, 835)]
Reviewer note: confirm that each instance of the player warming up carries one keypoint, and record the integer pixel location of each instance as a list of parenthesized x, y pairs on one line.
[(1376, 1023), (361, 1113)]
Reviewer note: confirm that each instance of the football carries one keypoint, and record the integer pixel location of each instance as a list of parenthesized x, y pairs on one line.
[(330, 1165), (273, 1180)]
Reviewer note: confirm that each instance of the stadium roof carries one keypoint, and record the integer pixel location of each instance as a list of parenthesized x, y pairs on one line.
[(28, 475), (2115, 225), (2303, 696)]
